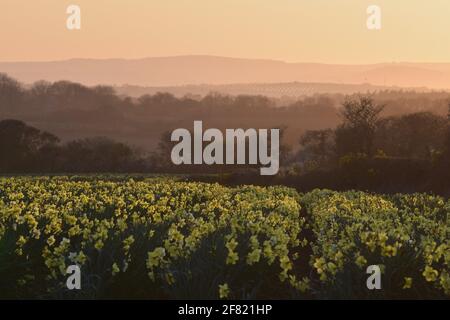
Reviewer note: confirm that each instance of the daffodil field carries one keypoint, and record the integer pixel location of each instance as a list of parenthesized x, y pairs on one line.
[(408, 236), (166, 239)]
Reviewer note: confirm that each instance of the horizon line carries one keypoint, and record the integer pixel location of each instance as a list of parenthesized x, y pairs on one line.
[(219, 57)]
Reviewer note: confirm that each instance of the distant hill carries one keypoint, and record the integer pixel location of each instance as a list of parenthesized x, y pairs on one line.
[(212, 70)]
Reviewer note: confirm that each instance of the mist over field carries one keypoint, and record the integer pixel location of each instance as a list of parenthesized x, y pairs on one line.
[(71, 110)]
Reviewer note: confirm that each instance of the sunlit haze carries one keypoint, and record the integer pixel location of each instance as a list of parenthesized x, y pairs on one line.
[(291, 30)]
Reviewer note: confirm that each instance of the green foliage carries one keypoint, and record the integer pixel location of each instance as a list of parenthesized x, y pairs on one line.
[(159, 238), (148, 239), (408, 235)]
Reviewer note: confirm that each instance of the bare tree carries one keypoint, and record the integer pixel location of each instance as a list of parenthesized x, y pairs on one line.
[(357, 133)]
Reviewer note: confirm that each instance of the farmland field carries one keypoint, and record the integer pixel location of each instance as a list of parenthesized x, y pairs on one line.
[(164, 239)]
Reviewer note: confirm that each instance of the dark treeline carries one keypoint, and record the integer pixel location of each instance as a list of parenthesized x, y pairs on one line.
[(387, 141), (406, 153), (72, 111), (25, 149), (368, 151)]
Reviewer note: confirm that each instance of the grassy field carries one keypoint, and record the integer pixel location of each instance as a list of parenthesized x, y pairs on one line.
[(160, 238)]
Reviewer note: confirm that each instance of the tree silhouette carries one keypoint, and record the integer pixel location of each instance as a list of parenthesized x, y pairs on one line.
[(357, 133), (20, 145)]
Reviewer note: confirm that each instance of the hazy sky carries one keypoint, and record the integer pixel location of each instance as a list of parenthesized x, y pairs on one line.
[(331, 31)]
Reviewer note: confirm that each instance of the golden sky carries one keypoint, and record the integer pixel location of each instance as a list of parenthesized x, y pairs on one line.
[(329, 31)]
